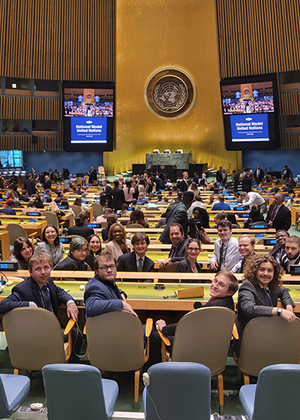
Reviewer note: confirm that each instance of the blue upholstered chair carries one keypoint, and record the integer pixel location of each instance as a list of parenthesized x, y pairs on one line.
[(276, 395), (13, 391), (189, 382), (78, 392)]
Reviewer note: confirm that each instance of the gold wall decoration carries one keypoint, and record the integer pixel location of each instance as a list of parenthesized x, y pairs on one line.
[(152, 35), (170, 92)]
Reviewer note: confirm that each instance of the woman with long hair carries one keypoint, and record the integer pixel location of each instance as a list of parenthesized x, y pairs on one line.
[(51, 245), (94, 249), (137, 216), (23, 251)]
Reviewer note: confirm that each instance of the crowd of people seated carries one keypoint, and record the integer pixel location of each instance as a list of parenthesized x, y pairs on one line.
[(186, 225)]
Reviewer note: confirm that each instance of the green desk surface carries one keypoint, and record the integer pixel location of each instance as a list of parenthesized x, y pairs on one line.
[(143, 296)]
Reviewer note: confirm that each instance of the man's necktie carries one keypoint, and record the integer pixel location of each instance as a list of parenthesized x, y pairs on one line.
[(140, 265), (266, 297), (221, 255), (47, 298)]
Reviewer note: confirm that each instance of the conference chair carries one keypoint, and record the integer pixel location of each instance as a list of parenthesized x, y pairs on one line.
[(176, 391), (85, 394), (15, 231), (170, 268), (115, 343), (276, 394), (34, 338), (53, 220), (97, 210), (13, 391), (267, 341), (101, 172), (76, 209), (135, 226), (203, 336)]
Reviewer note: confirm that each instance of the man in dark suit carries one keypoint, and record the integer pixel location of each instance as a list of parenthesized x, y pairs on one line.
[(107, 192), (279, 216), (29, 185), (178, 214), (38, 290), (292, 253), (258, 174), (9, 208), (136, 260), (219, 174), (178, 240), (47, 183), (222, 288), (278, 251), (102, 295), (184, 185)]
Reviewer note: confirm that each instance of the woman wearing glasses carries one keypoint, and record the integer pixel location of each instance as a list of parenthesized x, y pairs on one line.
[(189, 264)]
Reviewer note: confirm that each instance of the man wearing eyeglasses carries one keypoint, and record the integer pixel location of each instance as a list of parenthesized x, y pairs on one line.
[(101, 293)]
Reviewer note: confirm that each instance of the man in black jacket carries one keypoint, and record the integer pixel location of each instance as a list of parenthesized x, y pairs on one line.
[(29, 185), (279, 216), (136, 260), (178, 241), (38, 290), (222, 288)]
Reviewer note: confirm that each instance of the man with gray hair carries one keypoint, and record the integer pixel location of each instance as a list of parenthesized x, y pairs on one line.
[(76, 257)]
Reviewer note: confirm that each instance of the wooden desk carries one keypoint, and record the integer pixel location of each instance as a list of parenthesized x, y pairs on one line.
[(30, 227), (4, 244)]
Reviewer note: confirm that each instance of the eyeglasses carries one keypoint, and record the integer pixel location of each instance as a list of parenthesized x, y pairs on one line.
[(82, 250), (107, 267), (193, 249)]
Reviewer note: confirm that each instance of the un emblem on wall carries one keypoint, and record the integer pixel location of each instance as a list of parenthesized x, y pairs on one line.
[(170, 93)]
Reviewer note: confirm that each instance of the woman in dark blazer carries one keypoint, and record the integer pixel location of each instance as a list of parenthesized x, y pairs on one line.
[(260, 291), (118, 197), (189, 263)]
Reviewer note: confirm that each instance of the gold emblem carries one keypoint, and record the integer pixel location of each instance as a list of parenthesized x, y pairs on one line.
[(170, 93)]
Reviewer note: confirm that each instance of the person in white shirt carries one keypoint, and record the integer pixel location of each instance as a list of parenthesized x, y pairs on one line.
[(246, 249), (251, 198), (226, 252)]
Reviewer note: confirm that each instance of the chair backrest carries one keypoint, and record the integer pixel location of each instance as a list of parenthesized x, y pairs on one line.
[(115, 341), (267, 341), (203, 336), (82, 392), (76, 209), (97, 209), (170, 268), (15, 231), (191, 382), (51, 219), (34, 338), (135, 226), (276, 397), (13, 390)]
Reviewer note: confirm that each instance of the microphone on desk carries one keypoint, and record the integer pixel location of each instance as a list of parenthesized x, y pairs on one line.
[(197, 305)]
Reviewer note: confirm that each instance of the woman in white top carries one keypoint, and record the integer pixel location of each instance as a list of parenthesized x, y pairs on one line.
[(117, 243), (51, 245)]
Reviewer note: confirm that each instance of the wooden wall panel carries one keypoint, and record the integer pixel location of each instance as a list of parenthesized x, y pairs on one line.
[(58, 39), (30, 108), (25, 143), (258, 36)]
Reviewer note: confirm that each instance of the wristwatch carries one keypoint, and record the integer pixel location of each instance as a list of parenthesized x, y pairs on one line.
[(279, 311)]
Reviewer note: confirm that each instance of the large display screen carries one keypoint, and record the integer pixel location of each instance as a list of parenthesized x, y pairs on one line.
[(88, 116), (250, 113)]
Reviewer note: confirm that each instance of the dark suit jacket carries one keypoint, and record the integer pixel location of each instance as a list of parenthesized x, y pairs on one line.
[(180, 252), (282, 219), (259, 178), (184, 266), (47, 184), (101, 297), (29, 185), (251, 303), (183, 186), (127, 262), (219, 176), (118, 198), (178, 214), (28, 291)]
